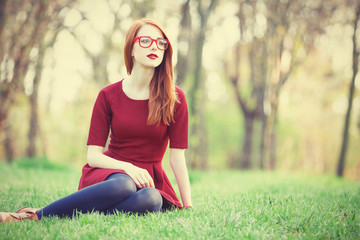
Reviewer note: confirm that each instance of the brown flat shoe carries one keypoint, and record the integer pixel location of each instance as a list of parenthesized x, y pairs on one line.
[(15, 217), (27, 209)]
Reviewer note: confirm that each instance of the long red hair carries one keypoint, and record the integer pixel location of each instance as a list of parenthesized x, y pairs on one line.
[(162, 95)]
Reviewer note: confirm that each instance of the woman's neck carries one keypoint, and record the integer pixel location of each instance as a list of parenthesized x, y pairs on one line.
[(140, 77), (137, 84)]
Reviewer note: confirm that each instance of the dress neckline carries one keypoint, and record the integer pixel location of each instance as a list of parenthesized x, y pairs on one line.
[(126, 96)]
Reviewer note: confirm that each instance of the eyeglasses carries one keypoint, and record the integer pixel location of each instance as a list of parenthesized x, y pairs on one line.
[(145, 42)]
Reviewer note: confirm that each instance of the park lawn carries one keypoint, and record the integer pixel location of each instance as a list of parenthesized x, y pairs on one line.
[(227, 205)]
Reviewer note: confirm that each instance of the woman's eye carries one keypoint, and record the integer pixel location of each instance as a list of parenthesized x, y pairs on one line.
[(162, 42), (145, 40)]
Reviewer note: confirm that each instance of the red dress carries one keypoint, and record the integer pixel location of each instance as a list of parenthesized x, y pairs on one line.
[(132, 140)]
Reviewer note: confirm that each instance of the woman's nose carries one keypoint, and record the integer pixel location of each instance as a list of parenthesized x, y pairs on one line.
[(153, 45)]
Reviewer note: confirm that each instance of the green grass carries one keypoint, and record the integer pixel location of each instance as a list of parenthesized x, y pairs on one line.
[(227, 205)]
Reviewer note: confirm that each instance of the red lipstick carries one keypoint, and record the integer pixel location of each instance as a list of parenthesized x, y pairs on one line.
[(152, 56)]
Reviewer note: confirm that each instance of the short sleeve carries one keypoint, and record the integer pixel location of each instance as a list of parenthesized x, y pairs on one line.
[(100, 121), (178, 130)]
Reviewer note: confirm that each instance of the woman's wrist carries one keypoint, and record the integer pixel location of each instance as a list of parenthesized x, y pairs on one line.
[(127, 166)]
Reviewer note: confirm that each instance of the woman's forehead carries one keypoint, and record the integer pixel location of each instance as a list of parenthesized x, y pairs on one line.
[(150, 31)]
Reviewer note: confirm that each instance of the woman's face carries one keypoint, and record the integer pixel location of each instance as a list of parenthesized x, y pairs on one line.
[(152, 56)]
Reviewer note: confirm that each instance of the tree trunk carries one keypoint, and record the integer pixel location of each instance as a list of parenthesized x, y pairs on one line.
[(248, 142), (358, 123), (272, 145), (34, 115), (2, 16), (32, 135), (9, 144), (262, 141), (35, 127), (261, 102), (203, 147), (197, 97), (18, 52), (182, 65), (8, 91), (355, 65)]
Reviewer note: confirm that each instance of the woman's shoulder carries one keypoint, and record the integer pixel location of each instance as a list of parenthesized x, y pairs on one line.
[(180, 95), (111, 91), (112, 88), (179, 92)]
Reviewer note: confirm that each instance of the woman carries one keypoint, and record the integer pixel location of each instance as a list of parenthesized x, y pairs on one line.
[(143, 112)]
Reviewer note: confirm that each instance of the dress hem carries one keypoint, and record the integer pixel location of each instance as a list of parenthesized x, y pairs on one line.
[(84, 184)]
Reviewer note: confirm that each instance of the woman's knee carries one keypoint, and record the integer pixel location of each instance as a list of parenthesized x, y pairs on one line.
[(121, 185), (152, 199)]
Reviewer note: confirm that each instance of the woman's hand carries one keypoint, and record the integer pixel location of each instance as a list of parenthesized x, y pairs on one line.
[(140, 176), (96, 158)]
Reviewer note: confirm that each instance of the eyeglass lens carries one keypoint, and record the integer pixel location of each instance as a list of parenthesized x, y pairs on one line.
[(146, 42)]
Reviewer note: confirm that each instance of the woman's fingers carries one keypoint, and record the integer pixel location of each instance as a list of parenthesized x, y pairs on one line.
[(148, 181), (142, 178), (151, 181), (137, 183)]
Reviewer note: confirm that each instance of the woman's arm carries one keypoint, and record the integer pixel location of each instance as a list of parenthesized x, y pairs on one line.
[(178, 165), (96, 158)]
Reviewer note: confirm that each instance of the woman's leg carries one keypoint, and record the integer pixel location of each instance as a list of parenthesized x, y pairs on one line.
[(144, 200), (116, 188)]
